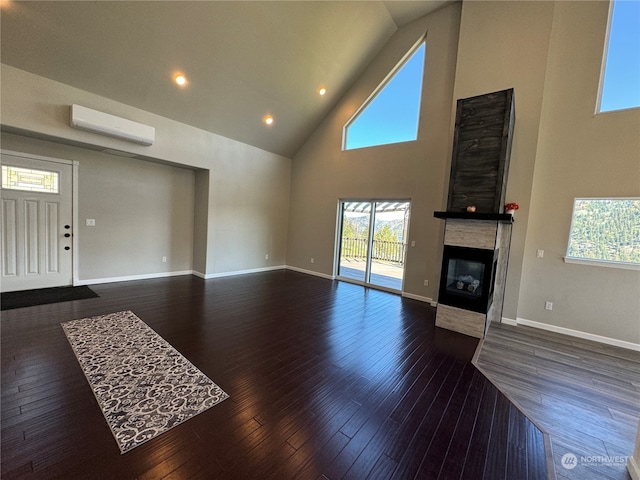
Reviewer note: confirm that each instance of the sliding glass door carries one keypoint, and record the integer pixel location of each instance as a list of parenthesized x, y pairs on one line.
[(354, 241), (372, 242)]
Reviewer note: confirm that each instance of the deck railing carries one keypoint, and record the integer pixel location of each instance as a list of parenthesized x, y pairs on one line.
[(356, 248)]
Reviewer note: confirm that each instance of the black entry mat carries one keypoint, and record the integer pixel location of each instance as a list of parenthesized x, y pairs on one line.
[(42, 296)]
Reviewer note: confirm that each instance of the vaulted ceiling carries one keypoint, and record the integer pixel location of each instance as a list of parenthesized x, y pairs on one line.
[(243, 59)]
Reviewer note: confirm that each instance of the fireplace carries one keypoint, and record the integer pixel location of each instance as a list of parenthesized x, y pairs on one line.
[(476, 234), (473, 274), (468, 277)]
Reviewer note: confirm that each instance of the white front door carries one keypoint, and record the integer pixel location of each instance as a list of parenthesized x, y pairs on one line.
[(36, 223)]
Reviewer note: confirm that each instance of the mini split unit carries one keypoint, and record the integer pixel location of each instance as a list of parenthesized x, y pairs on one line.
[(104, 124)]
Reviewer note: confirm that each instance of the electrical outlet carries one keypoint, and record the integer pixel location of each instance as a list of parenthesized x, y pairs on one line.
[(540, 253), (164, 259), (548, 305), (413, 243), (90, 222), (313, 260), (266, 256), (426, 283)]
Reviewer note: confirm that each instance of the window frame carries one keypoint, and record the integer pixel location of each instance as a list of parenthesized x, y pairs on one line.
[(593, 261), (603, 67), (383, 84), (54, 173)]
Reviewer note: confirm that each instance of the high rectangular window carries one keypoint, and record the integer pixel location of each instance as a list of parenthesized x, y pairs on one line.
[(620, 87), (605, 230)]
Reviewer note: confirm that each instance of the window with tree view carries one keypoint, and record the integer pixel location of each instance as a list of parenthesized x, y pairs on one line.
[(605, 230)]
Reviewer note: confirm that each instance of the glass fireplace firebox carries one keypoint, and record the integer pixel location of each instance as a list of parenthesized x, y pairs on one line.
[(467, 278)]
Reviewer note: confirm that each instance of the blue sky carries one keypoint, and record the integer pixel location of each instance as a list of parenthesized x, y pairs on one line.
[(621, 87), (392, 116)]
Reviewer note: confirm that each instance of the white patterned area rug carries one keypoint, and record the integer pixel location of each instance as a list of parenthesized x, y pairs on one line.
[(143, 385)]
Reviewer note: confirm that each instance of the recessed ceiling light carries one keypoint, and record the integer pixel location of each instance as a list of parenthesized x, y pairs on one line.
[(322, 91), (180, 80), (268, 119)]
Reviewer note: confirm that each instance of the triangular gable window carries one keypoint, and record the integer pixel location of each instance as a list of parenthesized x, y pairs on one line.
[(392, 114)]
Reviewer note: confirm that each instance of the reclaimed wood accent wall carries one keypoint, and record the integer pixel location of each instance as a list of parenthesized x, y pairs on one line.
[(481, 151)]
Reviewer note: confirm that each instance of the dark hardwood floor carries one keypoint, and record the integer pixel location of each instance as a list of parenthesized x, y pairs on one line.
[(327, 380), (585, 395)]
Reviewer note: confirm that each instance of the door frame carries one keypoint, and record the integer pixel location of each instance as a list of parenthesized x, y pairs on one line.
[(338, 242), (74, 200)]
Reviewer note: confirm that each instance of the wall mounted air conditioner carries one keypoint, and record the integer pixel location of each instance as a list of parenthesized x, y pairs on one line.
[(110, 125)]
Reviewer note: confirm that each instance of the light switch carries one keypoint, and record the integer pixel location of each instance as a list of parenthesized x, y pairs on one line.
[(91, 222)]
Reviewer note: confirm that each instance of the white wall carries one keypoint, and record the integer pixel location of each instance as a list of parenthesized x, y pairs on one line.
[(247, 189)]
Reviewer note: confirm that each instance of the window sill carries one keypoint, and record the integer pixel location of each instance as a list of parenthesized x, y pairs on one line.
[(617, 110), (602, 263)]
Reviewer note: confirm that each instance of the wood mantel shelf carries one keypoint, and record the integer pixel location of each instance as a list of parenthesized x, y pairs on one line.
[(498, 217)]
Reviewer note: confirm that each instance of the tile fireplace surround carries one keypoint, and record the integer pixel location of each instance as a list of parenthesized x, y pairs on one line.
[(491, 236)]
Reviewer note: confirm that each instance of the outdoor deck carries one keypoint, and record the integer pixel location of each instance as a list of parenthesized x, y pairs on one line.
[(383, 274)]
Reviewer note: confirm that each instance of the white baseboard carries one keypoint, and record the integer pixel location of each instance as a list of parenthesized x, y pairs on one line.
[(573, 333), (150, 276), (310, 272), (634, 468), (128, 278), (420, 298), (509, 321), (239, 272)]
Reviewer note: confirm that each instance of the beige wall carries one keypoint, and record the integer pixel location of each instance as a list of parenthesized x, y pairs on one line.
[(322, 173), (249, 221), (579, 154), (250, 203), (246, 189), (504, 45), (201, 221), (551, 53), (143, 211)]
